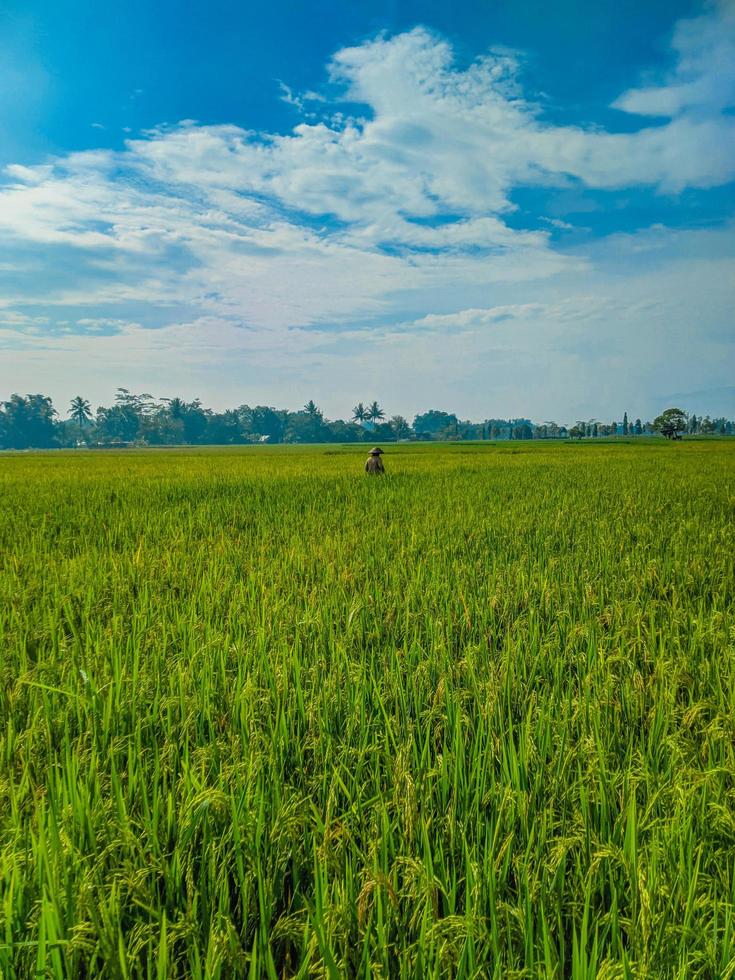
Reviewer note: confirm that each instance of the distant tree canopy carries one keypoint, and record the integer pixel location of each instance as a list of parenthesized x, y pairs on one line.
[(433, 422), (670, 423), (31, 422), (28, 422)]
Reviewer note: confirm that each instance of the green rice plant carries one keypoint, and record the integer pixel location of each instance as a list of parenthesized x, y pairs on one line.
[(261, 716)]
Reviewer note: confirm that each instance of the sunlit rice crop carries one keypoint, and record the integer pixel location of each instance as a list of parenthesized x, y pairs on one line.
[(262, 716)]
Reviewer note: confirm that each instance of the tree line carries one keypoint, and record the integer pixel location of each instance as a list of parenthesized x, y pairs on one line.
[(32, 422)]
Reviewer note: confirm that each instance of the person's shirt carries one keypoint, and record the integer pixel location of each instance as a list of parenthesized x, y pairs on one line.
[(374, 464)]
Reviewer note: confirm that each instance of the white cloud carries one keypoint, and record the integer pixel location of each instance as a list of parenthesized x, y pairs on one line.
[(440, 143), (399, 217), (16, 320), (558, 223), (704, 74), (577, 346), (468, 319)]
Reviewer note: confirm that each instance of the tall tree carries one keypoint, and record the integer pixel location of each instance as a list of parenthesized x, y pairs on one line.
[(268, 422), (400, 427), (625, 423), (375, 413), (176, 407), (670, 423), (306, 427), (359, 413), (433, 424), (122, 421), (139, 404), (80, 411), (28, 423)]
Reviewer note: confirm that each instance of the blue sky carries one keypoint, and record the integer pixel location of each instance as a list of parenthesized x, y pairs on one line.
[(495, 209)]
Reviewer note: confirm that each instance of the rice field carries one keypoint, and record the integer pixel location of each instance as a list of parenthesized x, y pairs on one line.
[(262, 716)]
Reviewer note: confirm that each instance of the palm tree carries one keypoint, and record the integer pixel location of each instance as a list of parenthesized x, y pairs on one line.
[(176, 407), (375, 413), (359, 413), (80, 411), (311, 410)]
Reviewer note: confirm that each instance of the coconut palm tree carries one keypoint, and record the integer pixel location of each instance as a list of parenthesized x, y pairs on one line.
[(176, 407), (359, 413), (375, 413), (80, 411), (311, 410)]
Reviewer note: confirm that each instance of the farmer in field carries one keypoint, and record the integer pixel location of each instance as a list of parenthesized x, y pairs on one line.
[(374, 464)]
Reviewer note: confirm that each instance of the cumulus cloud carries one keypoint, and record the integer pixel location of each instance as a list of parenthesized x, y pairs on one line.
[(429, 169), (435, 139)]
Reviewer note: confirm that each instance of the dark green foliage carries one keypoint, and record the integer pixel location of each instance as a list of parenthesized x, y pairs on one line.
[(671, 422), (139, 420), (432, 424), (27, 422)]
